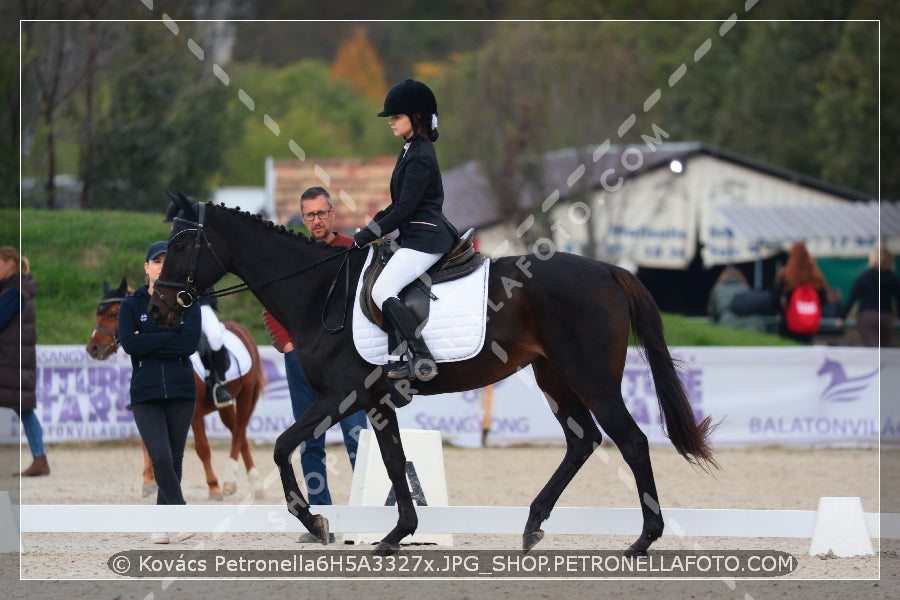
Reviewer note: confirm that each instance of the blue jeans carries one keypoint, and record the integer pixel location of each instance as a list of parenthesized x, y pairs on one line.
[(312, 451), (34, 433)]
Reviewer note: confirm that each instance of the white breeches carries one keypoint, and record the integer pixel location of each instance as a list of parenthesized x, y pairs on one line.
[(212, 327), (402, 269)]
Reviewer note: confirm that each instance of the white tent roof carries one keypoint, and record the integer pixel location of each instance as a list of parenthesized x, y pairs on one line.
[(837, 225)]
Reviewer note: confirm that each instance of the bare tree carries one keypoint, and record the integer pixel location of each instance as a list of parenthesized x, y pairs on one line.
[(50, 52)]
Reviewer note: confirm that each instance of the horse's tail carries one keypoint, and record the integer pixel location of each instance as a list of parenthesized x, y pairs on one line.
[(691, 439)]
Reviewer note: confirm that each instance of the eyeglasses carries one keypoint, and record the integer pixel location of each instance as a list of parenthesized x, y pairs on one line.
[(311, 216)]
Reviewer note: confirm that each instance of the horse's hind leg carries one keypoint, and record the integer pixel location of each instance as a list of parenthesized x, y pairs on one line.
[(582, 437), (387, 432), (617, 422), (245, 403)]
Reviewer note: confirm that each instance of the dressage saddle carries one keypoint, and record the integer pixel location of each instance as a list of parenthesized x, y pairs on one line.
[(460, 261)]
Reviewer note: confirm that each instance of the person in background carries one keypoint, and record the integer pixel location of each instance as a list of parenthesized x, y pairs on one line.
[(317, 210), (799, 269), (877, 291), (163, 390), (832, 307), (18, 336), (730, 284)]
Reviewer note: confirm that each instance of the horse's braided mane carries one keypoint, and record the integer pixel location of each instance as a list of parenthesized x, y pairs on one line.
[(281, 229)]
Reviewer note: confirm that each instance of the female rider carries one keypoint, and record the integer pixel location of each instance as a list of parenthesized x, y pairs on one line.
[(417, 197)]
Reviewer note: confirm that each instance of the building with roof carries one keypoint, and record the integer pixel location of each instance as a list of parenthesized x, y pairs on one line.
[(358, 186), (667, 208), (657, 205)]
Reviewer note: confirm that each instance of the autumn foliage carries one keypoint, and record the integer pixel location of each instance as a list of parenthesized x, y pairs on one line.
[(356, 62)]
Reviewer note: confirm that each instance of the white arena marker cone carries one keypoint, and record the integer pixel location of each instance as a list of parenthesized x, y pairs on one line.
[(840, 528), (424, 471), (9, 530)]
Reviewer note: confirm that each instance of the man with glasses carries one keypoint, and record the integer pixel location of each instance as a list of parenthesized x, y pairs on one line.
[(317, 210)]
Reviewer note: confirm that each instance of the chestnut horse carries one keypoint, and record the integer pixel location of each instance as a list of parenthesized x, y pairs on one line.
[(246, 388), (567, 316)]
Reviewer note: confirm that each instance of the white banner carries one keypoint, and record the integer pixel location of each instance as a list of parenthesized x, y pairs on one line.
[(787, 396)]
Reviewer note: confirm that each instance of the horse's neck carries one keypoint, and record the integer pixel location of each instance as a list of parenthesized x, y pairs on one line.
[(279, 269)]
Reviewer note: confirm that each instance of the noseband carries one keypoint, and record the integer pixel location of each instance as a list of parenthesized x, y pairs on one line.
[(187, 292)]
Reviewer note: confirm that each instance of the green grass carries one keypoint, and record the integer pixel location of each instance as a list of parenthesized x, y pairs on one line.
[(72, 252)]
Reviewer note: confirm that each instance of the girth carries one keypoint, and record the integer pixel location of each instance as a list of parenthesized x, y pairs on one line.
[(462, 260)]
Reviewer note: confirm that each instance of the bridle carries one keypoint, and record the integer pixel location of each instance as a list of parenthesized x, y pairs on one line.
[(102, 307), (188, 294)]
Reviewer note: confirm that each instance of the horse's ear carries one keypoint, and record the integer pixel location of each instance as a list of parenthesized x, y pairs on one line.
[(105, 287), (172, 210), (187, 205), (180, 204), (123, 287)]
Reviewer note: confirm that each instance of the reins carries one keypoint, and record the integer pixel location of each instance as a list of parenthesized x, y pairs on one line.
[(345, 266), (243, 287), (192, 294)]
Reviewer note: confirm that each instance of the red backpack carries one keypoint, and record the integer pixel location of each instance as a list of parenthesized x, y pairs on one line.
[(804, 311)]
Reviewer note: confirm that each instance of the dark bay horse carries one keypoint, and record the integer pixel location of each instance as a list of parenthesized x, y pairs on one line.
[(567, 316), (246, 388)]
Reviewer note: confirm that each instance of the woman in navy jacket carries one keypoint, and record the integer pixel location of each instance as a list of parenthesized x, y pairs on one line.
[(163, 390), (415, 212)]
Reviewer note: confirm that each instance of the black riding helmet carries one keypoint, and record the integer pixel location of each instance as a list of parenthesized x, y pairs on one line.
[(408, 97)]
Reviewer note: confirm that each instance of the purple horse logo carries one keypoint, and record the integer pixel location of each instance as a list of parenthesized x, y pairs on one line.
[(842, 388)]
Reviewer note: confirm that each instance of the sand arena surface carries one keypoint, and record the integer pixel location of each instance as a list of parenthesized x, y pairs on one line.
[(762, 478)]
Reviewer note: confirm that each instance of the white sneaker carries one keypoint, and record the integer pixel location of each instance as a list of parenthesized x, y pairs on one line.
[(159, 538), (186, 535)]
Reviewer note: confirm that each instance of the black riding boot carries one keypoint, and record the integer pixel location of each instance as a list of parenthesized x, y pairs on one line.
[(422, 365), (220, 394)]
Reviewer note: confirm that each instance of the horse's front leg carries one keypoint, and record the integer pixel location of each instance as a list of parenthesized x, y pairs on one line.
[(311, 423), (387, 432)]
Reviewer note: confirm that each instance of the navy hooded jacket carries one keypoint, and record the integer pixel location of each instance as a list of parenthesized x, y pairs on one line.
[(160, 356)]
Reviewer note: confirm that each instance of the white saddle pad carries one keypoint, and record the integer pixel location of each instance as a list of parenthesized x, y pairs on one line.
[(240, 359), (456, 325)]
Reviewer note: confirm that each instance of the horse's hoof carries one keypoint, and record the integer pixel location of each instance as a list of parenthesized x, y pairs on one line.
[(217, 497), (633, 551), (259, 493), (229, 488), (320, 529), (148, 490), (385, 549), (529, 540)]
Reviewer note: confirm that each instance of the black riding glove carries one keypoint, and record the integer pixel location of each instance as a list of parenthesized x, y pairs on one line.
[(363, 237)]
